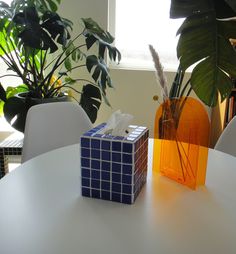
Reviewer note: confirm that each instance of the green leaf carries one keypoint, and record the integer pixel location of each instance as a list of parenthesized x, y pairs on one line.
[(103, 44), (3, 96), (67, 23), (34, 34), (99, 70), (37, 38), (204, 38), (90, 101), (106, 99), (71, 51), (1, 108), (92, 27), (67, 64), (56, 27), (28, 16), (41, 35), (52, 5), (15, 108), (5, 46), (197, 39), (73, 55), (95, 34), (11, 91), (96, 73), (232, 4), (90, 40), (70, 80), (48, 5), (207, 82)]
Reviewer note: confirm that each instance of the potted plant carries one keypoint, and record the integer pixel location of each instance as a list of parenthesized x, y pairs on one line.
[(182, 122), (36, 44), (205, 42)]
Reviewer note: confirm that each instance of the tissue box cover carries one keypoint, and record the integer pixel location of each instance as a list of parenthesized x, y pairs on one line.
[(114, 167)]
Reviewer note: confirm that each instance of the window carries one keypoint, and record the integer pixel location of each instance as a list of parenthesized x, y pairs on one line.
[(7, 80), (140, 23)]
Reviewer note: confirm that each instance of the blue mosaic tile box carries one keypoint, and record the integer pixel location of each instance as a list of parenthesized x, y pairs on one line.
[(114, 167)]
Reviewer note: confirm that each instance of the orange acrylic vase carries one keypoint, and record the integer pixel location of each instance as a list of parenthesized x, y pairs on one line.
[(181, 141)]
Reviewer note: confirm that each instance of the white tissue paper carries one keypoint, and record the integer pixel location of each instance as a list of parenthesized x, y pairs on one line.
[(117, 124)]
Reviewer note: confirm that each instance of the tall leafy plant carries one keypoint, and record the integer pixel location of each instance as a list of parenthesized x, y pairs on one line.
[(36, 44), (205, 42)]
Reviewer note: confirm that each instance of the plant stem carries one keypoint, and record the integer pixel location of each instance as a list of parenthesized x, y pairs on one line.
[(82, 65), (189, 91), (63, 86), (43, 63), (76, 67), (60, 55), (51, 91), (184, 88), (9, 75), (180, 81), (74, 99), (58, 62), (12, 65)]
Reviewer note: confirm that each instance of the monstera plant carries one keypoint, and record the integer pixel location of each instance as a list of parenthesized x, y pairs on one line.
[(37, 46), (204, 42)]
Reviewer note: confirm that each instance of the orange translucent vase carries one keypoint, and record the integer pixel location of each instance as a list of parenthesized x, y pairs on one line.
[(181, 139)]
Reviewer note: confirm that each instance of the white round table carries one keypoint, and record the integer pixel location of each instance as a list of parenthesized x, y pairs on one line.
[(43, 212)]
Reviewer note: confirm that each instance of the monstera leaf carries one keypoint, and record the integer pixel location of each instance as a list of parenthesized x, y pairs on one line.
[(55, 26), (204, 38), (41, 36), (3, 95), (99, 70), (15, 111), (95, 34), (90, 101)]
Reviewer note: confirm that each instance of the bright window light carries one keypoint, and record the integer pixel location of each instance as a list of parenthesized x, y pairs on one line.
[(7, 1), (140, 23), (6, 81)]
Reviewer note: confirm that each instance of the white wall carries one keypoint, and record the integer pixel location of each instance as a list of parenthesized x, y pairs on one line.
[(133, 93), (134, 89)]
